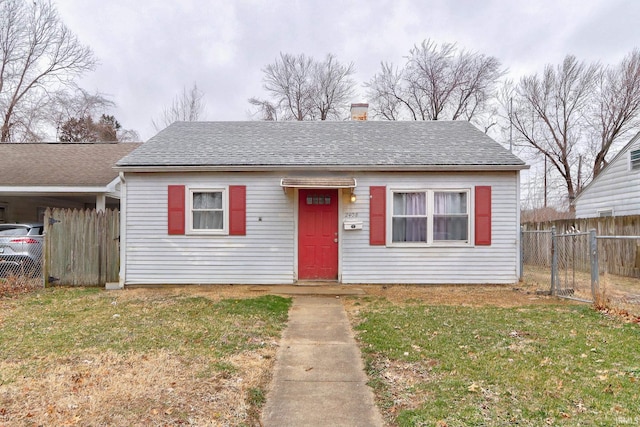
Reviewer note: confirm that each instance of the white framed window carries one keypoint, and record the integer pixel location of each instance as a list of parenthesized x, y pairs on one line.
[(427, 217), (634, 159), (208, 211)]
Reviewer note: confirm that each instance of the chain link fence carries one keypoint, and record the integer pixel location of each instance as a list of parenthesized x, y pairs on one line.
[(584, 266), (21, 257), (536, 258), (619, 271)]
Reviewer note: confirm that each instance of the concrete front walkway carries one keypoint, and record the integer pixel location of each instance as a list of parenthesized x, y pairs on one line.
[(319, 377)]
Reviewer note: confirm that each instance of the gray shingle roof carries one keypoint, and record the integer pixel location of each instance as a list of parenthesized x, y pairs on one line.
[(322, 144), (60, 164)]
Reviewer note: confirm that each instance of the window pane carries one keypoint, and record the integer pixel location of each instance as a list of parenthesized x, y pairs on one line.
[(635, 159), (409, 204), (207, 200), (207, 220), (409, 230), (450, 202), (450, 227)]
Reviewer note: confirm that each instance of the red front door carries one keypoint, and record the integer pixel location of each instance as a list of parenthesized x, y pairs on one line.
[(318, 235)]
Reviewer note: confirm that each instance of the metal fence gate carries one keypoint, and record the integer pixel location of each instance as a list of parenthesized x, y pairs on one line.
[(572, 276), (584, 266), (565, 262)]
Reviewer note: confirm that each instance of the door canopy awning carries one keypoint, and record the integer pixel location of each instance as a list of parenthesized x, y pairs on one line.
[(318, 182)]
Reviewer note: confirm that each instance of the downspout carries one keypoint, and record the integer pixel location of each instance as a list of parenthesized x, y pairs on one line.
[(123, 231)]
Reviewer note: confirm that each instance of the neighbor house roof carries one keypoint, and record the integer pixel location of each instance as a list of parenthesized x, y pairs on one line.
[(60, 164), (424, 145)]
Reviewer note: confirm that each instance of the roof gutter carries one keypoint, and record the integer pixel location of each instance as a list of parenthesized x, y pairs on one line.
[(54, 189), (346, 168)]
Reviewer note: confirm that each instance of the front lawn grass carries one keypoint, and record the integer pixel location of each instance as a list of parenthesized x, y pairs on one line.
[(90, 357), (489, 366)]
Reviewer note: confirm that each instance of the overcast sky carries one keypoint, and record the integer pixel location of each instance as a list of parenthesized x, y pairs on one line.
[(149, 50)]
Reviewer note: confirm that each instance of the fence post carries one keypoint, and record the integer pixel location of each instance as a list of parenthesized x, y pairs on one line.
[(554, 261), (47, 247), (521, 253), (595, 268)]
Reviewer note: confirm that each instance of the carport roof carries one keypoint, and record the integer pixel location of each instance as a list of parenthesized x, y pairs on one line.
[(60, 164)]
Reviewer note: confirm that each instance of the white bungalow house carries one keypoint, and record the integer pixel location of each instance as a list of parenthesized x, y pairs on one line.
[(350, 202), (36, 176), (616, 190)]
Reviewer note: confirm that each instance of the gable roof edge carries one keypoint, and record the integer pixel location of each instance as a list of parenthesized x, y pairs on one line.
[(622, 151)]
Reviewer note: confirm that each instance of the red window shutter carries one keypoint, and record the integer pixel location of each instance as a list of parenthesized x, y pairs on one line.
[(237, 210), (175, 196), (483, 215), (377, 215)]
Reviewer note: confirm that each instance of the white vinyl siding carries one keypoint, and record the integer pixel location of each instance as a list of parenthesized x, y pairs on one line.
[(616, 189), (441, 263), (267, 254), (263, 256)]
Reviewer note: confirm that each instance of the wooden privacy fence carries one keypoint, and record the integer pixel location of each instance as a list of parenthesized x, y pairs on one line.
[(618, 256), (81, 247)]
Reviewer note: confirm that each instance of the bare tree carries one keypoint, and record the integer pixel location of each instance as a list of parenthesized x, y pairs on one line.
[(333, 87), (188, 106), (265, 109), (549, 112), (289, 82), (38, 56), (387, 94), (574, 114), (302, 88), (436, 82), (617, 107)]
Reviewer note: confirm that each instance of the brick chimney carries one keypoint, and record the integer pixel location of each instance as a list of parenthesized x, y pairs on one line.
[(359, 111)]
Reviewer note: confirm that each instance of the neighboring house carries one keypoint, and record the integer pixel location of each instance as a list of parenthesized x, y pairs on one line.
[(352, 202), (616, 190), (34, 177)]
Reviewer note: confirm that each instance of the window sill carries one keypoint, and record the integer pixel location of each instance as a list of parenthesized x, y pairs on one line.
[(207, 233), (457, 244)]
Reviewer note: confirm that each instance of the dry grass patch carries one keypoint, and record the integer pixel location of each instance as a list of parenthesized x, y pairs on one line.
[(134, 389), (145, 357), (19, 284)]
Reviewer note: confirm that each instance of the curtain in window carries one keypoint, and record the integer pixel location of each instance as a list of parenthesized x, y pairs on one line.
[(409, 217), (450, 220), (207, 211)]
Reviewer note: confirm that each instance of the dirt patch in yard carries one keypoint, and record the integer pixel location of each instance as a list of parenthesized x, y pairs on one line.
[(464, 295)]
